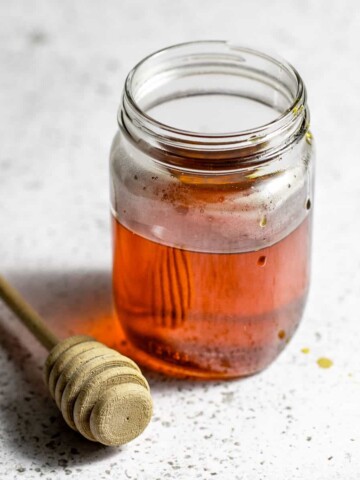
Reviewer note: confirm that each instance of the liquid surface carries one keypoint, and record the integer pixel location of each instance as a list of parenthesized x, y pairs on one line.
[(204, 314)]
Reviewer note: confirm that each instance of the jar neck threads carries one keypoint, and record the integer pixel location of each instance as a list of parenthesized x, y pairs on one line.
[(214, 68)]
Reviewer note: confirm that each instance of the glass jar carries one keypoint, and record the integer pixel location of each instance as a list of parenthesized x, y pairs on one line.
[(211, 193)]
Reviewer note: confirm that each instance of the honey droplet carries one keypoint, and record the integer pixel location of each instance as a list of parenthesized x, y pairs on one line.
[(297, 110), (324, 362), (308, 137), (282, 334), (262, 261), (263, 221), (305, 350)]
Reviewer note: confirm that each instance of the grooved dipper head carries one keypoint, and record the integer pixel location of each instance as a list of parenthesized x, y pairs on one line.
[(101, 393)]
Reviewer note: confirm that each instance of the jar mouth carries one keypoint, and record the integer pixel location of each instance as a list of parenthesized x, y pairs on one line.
[(214, 67)]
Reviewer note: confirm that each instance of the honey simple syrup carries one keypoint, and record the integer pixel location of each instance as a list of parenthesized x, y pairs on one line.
[(206, 314)]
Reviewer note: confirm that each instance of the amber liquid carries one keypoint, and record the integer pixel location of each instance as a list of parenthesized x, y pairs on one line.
[(204, 314)]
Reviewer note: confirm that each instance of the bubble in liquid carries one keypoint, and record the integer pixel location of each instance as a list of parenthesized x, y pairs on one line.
[(262, 261)]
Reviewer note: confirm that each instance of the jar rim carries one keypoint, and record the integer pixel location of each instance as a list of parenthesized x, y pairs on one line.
[(294, 118)]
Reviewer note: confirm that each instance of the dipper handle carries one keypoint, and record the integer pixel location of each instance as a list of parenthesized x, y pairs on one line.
[(32, 320)]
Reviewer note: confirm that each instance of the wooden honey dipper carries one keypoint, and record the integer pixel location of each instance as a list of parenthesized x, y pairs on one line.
[(101, 393)]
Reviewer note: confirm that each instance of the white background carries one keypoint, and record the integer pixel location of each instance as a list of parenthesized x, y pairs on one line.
[(63, 64)]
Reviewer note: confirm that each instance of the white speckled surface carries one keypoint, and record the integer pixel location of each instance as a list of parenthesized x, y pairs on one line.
[(62, 68)]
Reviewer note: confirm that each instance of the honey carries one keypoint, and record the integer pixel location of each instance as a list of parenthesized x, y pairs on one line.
[(206, 314)]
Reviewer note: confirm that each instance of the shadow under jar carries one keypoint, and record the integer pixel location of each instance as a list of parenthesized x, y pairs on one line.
[(211, 191)]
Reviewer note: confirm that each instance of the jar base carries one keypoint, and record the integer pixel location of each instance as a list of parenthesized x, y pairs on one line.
[(179, 371), (172, 366)]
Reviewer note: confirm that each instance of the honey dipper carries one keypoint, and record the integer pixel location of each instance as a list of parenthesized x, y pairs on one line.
[(101, 393)]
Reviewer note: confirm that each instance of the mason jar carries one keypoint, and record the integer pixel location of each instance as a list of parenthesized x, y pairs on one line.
[(211, 195)]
